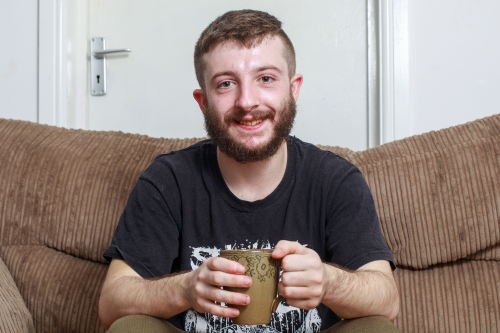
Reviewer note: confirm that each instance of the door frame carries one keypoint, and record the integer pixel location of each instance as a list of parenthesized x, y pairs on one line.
[(63, 76), (393, 95), (62, 63)]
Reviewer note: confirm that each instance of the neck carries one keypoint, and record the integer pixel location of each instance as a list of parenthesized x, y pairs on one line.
[(255, 180)]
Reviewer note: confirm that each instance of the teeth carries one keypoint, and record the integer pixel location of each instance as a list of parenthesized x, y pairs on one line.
[(250, 123)]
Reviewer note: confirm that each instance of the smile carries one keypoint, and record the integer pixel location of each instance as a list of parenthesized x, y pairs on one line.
[(250, 123)]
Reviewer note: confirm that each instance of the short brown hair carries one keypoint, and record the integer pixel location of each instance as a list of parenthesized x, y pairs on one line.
[(246, 27)]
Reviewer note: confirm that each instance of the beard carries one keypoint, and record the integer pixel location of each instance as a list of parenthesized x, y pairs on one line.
[(219, 131)]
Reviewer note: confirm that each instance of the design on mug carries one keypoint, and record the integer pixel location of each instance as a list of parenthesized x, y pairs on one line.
[(234, 258), (265, 267)]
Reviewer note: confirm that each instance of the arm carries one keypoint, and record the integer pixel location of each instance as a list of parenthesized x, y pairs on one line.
[(368, 291), (307, 282), (126, 293)]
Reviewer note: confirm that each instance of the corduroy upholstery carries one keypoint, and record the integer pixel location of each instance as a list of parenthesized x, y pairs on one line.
[(14, 316), (438, 200), (62, 192), (61, 195)]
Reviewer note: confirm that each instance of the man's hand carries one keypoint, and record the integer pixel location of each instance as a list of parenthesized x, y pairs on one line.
[(126, 293), (307, 281), (204, 287), (303, 281)]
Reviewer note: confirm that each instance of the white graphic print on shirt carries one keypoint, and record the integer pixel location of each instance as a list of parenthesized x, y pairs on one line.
[(287, 319)]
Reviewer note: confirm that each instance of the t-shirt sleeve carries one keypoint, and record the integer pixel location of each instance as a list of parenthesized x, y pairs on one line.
[(354, 237), (146, 237)]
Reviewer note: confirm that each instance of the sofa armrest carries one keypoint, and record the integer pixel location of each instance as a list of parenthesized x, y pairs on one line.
[(14, 316)]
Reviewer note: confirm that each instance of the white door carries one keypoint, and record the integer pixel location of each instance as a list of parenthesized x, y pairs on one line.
[(149, 91)]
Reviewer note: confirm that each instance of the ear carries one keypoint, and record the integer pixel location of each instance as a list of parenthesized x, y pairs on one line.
[(295, 84), (199, 96)]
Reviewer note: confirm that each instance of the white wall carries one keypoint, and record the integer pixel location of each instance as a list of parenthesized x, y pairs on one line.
[(19, 59), (454, 62)]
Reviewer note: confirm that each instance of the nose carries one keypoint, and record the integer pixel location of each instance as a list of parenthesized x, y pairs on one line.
[(248, 98)]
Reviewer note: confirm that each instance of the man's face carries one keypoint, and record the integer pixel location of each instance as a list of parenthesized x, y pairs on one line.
[(249, 102)]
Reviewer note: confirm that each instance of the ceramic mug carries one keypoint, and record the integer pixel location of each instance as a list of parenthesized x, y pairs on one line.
[(264, 271)]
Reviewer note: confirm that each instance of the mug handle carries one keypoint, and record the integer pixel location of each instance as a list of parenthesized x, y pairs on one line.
[(276, 302)]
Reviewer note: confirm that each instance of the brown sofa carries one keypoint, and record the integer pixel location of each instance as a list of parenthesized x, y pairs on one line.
[(62, 192)]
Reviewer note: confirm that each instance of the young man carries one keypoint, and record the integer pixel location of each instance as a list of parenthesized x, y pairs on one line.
[(249, 186)]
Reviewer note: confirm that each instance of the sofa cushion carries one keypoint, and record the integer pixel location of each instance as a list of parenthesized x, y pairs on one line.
[(437, 194), (14, 316), (463, 296), (61, 291), (490, 253)]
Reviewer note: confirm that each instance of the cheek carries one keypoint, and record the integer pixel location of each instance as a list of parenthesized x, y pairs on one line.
[(274, 98), (223, 103)]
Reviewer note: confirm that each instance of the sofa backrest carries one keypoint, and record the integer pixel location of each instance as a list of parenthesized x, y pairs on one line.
[(66, 189), (438, 194)]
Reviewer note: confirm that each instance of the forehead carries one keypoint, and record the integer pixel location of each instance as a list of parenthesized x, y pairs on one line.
[(234, 57)]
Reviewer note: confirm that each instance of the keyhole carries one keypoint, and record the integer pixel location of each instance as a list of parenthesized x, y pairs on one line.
[(98, 78)]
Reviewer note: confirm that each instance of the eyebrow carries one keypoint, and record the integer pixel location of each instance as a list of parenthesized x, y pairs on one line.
[(265, 68), (216, 75), (257, 70)]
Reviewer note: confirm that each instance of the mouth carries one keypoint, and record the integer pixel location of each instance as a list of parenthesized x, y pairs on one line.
[(250, 123)]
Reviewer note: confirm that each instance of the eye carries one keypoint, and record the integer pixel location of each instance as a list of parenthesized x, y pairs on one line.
[(266, 79), (226, 84)]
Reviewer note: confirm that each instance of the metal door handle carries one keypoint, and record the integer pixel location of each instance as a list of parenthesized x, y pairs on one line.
[(98, 65), (100, 54)]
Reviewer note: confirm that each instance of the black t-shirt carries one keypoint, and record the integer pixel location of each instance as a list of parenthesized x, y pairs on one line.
[(181, 212)]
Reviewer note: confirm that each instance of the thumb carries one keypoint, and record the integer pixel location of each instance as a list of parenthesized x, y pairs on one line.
[(284, 248)]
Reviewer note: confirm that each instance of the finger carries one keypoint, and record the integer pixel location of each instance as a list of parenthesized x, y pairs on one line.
[(225, 265), (302, 279), (224, 296), (294, 262), (294, 292), (228, 297), (295, 279), (284, 248), (217, 310), (301, 262), (310, 292), (221, 279), (306, 304)]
